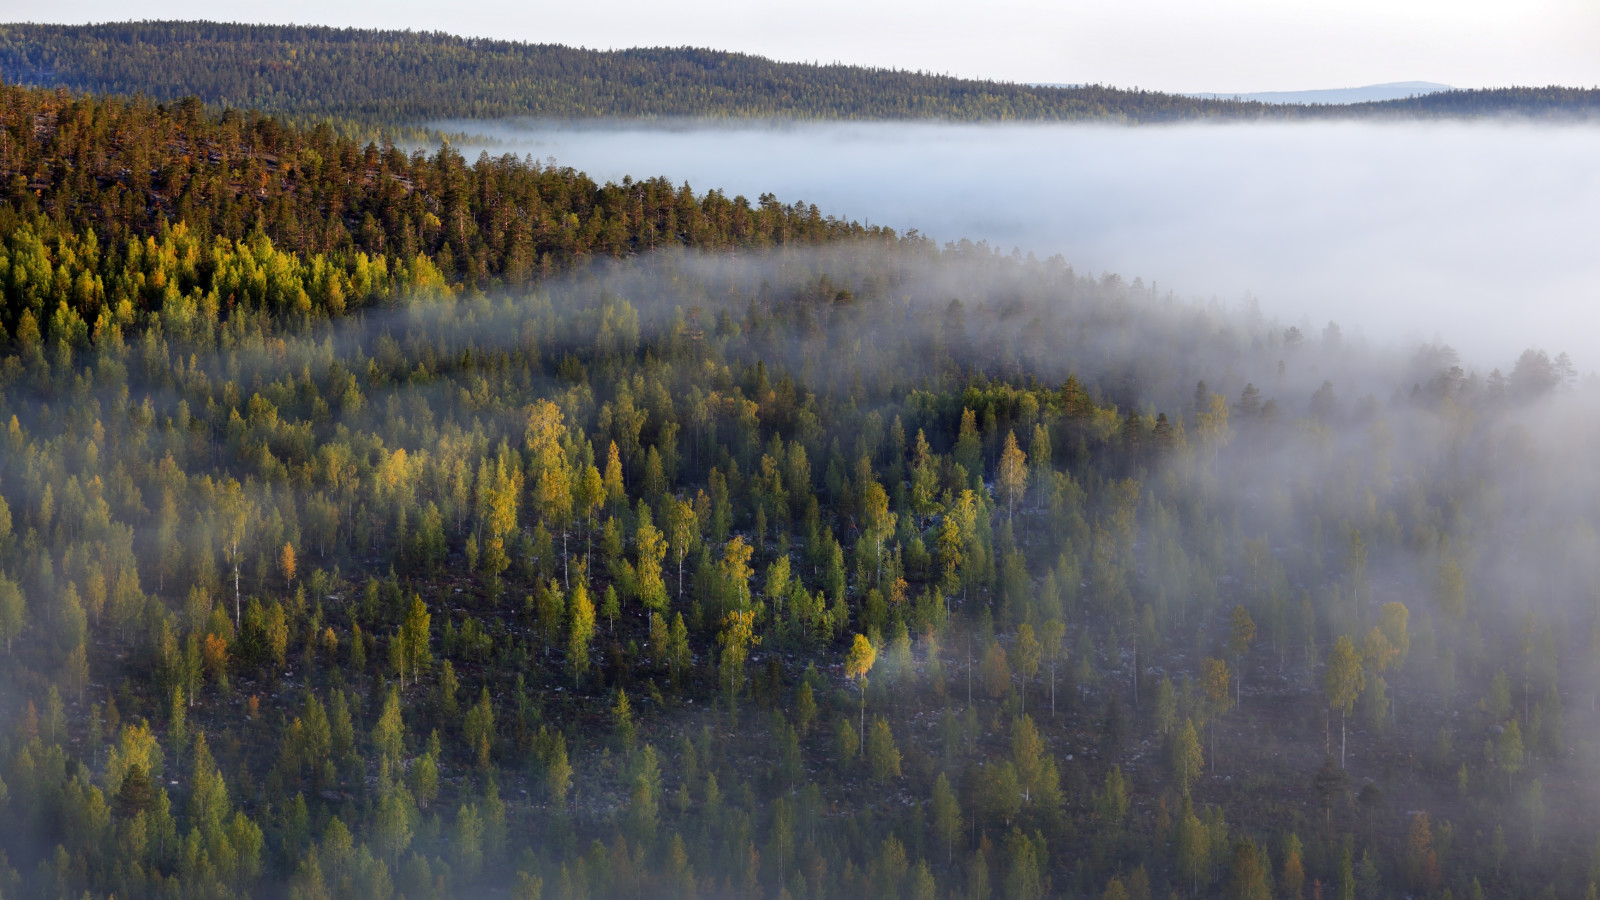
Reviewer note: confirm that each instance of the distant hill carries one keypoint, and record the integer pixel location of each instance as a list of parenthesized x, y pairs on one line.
[(386, 79), (1394, 90)]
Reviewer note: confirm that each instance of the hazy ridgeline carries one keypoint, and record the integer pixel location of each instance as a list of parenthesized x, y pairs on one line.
[(351, 553), (362, 80)]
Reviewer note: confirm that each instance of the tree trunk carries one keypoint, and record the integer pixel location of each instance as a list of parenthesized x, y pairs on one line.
[(1341, 739), (1136, 674), (861, 740)]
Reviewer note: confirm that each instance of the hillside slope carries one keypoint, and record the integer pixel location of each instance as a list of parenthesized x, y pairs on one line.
[(389, 78)]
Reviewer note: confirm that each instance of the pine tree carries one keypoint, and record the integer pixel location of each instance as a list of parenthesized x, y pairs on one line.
[(946, 814), (1012, 477), (1188, 760), (883, 757)]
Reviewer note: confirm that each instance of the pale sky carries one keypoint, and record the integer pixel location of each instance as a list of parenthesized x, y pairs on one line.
[(1173, 45)]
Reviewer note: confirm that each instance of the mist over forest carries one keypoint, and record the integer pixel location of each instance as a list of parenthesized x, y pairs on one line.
[(383, 522), (1406, 232)]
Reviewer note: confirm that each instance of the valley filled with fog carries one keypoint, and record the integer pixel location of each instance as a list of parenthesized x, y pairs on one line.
[(1477, 234)]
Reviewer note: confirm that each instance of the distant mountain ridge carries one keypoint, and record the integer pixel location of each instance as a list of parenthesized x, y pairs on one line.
[(1371, 93), (363, 79)]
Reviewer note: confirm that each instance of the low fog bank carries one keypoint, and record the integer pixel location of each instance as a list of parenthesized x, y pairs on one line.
[(1476, 234), (1353, 476)]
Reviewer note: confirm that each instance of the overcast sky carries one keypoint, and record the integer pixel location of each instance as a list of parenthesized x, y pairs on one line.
[(1175, 45)]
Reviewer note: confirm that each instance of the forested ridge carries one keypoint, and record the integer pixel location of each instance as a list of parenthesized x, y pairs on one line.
[(379, 525), (360, 79)]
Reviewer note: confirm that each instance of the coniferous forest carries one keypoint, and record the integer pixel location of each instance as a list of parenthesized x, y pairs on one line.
[(361, 81), (379, 524)]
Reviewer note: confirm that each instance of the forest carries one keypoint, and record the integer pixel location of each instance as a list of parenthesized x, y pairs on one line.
[(361, 80), (379, 524)]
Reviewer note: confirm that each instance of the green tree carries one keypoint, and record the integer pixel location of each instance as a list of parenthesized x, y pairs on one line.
[(551, 479), (498, 489), (236, 510), (857, 663), (1194, 849), (805, 708), (968, 449), (478, 730), (622, 721), (1188, 760), (1012, 477), (527, 887), (1025, 877), (683, 532), (946, 815), (847, 741), (1342, 683), (1028, 754), (1508, 752), (1054, 633), (1026, 652), (922, 885), (889, 868), (737, 637), (1394, 624), (394, 824), (1166, 707), (651, 548), (736, 572), (1248, 878), (610, 608), (878, 524), (580, 631), (135, 746), (425, 775), (1111, 801), (388, 733), (645, 797), (883, 757), (1293, 878), (466, 842), (996, 671), (679, 655), (414, 639), (557, 772), (13, 611), (1241, 633), (782, 834), (1214, 683)]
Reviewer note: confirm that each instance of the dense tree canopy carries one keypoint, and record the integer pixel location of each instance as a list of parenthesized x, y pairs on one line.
[(376, 525), (388, 78)]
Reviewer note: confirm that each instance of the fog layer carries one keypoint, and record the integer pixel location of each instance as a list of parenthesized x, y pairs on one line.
[(1479, 234)]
